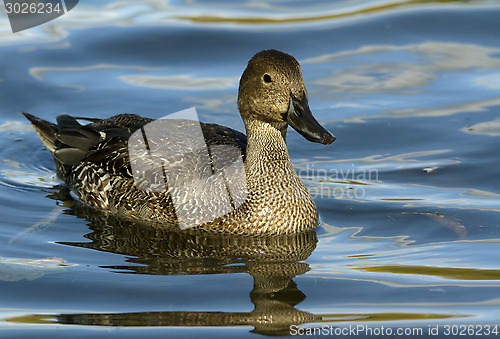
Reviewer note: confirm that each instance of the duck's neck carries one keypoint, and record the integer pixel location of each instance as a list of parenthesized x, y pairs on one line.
[(278, 198), (266, 149)]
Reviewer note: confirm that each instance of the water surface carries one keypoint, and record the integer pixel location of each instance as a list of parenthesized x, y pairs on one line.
[(408, 195)]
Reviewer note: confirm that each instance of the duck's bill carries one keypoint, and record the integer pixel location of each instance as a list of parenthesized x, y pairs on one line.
[(301, 119)]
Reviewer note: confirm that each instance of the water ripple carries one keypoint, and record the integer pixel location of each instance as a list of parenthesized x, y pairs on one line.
[(22, 166)]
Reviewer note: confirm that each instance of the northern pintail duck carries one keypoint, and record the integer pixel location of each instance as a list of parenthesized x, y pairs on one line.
[(93, 159)]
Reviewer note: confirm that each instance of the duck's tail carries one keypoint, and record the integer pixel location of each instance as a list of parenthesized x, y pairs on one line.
[(47, 131)]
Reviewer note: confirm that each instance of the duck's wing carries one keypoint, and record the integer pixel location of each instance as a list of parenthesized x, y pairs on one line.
[(104, 143)]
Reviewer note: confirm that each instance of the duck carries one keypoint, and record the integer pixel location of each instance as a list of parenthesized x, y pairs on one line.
[(95, 161)]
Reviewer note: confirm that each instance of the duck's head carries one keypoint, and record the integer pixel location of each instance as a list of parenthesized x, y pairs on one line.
[(272, 90)]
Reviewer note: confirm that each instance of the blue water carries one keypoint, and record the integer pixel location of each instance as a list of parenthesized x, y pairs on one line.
[(409, 194)]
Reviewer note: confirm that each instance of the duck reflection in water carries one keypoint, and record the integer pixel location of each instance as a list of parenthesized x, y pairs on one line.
[(272, 261)]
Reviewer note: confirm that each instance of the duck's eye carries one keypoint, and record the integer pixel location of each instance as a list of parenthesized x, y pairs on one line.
[(267, 78)]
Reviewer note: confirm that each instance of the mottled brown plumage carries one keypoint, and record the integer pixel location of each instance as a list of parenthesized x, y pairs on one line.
[(94, 161)]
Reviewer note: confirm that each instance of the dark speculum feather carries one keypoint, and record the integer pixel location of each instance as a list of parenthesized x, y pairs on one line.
[(65, 121), (70, 156), (77, 139)]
